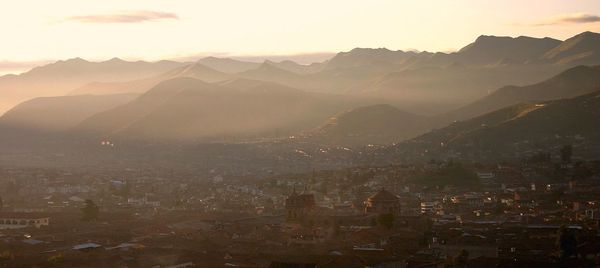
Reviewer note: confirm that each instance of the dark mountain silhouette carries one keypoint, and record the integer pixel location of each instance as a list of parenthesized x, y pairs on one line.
[(511, 133), (519, 129), (570, 83)]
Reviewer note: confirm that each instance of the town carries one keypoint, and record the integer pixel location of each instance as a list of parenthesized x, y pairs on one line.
[(540, 211), (300, 134)]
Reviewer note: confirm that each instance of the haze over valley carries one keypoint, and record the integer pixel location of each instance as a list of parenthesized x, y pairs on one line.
[(300, 134), (357, 98)]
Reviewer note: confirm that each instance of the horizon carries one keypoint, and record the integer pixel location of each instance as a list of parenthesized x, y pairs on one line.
[(97, 31), (303, 59)]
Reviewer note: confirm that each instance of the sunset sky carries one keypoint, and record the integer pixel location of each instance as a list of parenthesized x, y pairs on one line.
[(39, 31)]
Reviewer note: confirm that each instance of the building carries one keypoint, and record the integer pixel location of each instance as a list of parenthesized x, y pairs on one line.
[(16, 220), (146, 201), (383, 202), (429, 207), (299, 206)]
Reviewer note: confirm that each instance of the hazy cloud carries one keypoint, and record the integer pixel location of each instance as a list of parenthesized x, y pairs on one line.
[(125, 17), (569, 19)]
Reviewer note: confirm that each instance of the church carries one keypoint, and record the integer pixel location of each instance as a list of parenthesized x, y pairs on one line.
[(299, 206), (383, 202)]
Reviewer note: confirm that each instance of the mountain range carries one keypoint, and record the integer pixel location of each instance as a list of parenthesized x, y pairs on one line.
[(401, 78), (517, 131), (188, 109), (412, 102), (379, 124), (193, 70), (573, 82), (61, 77), (56, 114)]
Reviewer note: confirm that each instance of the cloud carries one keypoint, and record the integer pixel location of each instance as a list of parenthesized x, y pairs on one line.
[(576, 18), (125, 17)]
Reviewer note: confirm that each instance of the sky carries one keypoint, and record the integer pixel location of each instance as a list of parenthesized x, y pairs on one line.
[(35, 32)]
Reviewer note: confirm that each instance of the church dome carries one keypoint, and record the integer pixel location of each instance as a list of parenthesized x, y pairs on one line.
[(383, 196)]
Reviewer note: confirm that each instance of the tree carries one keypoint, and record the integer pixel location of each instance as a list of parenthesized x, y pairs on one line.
[(56, 259), (386, 220), (5, 258), (90, 211)]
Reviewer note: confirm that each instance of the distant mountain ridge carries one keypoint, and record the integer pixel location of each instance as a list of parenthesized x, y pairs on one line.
[(580, 49), (193, 70), (267, 71), (414, 81), (413, 88), (516, 131), (227, 65), (56, 114), (375, 124), (493, 49), (573, 82), (383, 73), (63, 76), (188, 109), (368, 56)]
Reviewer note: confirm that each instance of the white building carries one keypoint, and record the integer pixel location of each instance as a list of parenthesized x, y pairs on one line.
[(16, 220), (429, 207), (145, 201)]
